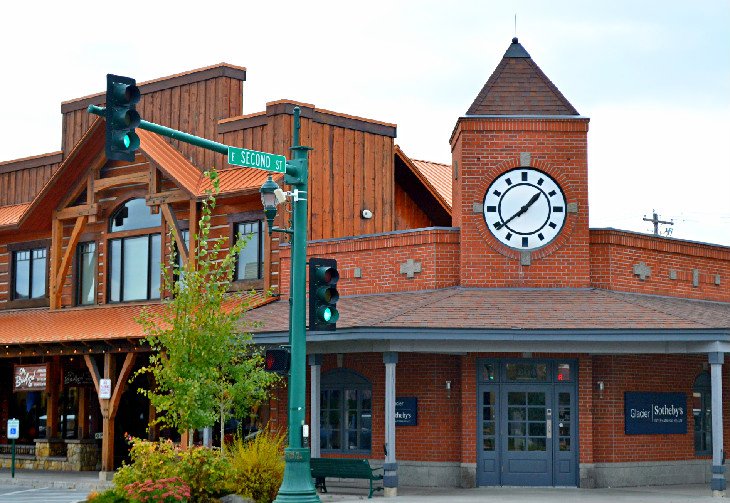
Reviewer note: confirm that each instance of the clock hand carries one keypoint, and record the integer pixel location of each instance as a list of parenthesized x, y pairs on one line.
[(521, 211)]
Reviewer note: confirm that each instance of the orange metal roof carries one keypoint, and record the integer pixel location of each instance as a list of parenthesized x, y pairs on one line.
[(37, 326), (438, 175), (435, 176), (192, 179), (10, 215)]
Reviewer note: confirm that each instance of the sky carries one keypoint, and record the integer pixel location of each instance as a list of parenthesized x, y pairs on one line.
[(653, 76)]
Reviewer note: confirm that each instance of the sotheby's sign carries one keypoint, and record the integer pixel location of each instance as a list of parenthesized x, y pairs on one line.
[(655, 413), (406, 411)]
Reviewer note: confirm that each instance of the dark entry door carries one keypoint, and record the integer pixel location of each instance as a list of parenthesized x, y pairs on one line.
[(527, 439)]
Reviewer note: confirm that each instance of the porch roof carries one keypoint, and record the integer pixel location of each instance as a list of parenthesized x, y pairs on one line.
[(82, 325), (464, 319)]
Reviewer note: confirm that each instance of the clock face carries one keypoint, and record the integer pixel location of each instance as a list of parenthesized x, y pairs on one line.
[(524, 208)]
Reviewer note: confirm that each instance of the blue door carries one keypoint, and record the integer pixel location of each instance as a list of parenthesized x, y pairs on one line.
[(527, 423), (527, 452)]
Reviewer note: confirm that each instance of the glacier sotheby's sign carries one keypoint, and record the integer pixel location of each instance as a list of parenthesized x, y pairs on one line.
[(655, 413)]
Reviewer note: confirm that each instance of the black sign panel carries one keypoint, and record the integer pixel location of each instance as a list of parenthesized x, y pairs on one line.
[(406, 411), (655, 413)]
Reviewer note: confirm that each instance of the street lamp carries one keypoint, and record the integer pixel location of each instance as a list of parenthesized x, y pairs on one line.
[(270, 199)]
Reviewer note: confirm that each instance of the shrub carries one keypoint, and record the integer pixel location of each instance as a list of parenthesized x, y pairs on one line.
[(172, 490), (257, 466), (201, 469), (108, 496)]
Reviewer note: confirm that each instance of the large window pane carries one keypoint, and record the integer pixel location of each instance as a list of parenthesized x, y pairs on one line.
[(86, 273), (135, 272), (115, 270), (21, 276), (38, 286), (249, 264), (134, 268), (155, 266)]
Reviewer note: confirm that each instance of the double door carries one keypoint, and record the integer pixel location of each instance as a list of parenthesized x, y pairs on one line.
[(527, 434)]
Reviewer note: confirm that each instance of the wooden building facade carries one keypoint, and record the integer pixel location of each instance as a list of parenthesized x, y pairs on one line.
[(82, 239)]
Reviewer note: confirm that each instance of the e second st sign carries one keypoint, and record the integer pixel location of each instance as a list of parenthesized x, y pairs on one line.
[(655, 413)]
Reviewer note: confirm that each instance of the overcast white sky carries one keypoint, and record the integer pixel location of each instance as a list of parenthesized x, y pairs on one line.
[(653, 76)]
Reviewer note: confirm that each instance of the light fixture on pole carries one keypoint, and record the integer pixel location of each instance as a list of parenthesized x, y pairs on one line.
[(270, 200)]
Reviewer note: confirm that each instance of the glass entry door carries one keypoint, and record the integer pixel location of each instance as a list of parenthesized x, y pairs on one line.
[(527, 423), (527, 413)]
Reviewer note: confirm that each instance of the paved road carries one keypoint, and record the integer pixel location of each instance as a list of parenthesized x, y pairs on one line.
[(19, 494)]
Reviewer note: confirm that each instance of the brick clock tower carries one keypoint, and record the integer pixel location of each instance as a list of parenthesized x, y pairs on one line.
[(520, 185)]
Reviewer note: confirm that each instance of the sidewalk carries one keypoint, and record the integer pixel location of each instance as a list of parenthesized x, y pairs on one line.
[(89, 481), (60, 480), (652, 494)]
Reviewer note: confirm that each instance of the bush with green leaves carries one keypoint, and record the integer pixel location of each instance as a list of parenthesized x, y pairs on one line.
[(256, 466), (202, 469)]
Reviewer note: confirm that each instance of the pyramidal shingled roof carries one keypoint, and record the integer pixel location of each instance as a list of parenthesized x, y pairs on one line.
[(519, 87)]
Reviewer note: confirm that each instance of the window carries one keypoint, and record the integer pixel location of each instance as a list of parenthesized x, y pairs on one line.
[(29, 273), (134, 261), (250, 261), (86, 273), (346, 412), (702, 413), (134, 214)]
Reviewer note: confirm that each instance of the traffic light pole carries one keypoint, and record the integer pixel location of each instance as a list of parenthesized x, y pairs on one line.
[(297, 485)]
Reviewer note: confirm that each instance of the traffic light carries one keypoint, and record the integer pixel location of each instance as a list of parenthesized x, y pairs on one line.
[(323, 295), (277, 360), (122, 95)]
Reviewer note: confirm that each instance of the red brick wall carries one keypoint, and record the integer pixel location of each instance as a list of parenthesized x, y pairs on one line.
[(484, 149), (614, 254), (437, 437), (650, 373), (380, 256), (447, 425)]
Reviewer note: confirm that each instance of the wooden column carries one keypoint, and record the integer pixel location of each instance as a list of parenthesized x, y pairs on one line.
[(109, 406), (82, 420), (52, 400)]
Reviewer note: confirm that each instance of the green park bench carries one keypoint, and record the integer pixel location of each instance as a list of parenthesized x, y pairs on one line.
[(344, 469)]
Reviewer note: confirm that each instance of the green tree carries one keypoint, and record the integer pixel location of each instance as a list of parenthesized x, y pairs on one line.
[(203, 361)]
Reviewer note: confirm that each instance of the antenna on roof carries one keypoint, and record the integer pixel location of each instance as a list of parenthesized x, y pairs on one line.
[(515, 25)]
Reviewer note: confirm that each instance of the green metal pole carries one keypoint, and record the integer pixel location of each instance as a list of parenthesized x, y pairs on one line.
[(297, 485), (12, 462), (171, 133)]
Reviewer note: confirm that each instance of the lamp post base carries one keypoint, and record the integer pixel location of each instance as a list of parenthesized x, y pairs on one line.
[(297, 486)]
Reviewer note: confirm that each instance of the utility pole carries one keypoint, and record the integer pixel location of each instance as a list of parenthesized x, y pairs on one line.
[(655, 220)]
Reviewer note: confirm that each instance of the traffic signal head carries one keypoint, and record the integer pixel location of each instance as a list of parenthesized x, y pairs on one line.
[(277, 360), (122, 118), (323, 295)]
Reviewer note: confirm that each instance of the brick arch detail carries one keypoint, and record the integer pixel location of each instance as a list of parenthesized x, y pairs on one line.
[(570, 218)]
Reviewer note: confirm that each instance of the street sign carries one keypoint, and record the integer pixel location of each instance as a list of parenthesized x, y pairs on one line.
[(13, 429), (254, 159), (105, 389)]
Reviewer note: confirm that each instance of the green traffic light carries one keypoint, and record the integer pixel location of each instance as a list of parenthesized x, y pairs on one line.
[(327, 315), (127, 141)]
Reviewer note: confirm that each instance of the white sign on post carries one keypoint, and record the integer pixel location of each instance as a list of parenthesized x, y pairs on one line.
[(105, 389), (13, 429)]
